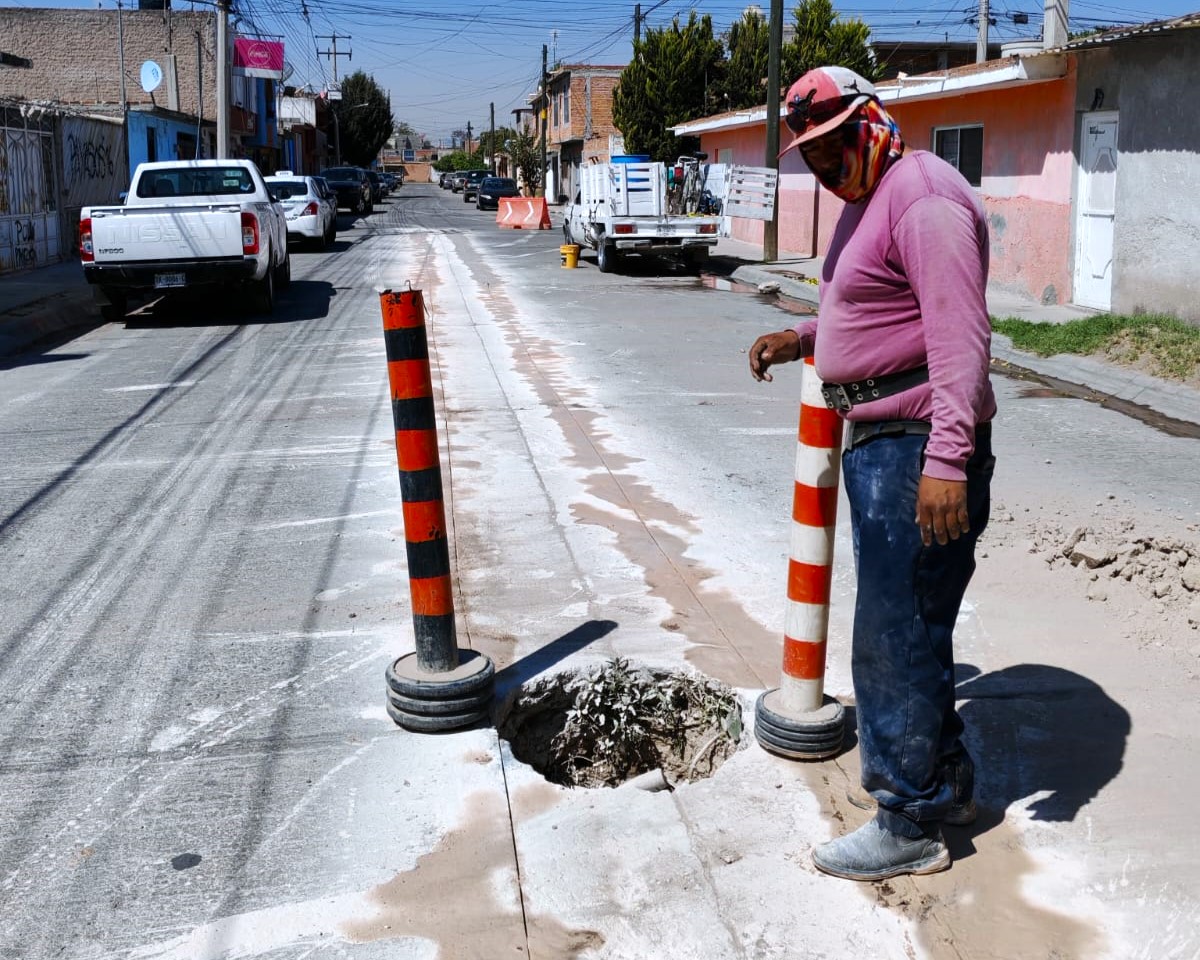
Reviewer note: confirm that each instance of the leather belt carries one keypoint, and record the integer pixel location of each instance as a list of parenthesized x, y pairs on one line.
[(862, 431), (843, 397)]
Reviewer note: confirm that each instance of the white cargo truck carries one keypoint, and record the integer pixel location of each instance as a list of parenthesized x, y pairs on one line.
[(680, 209), (187, 224)]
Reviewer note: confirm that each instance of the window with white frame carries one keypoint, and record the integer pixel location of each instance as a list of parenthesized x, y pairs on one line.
[(962, 148)]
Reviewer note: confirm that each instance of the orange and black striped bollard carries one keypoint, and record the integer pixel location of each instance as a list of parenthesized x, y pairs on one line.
[(438, 686)]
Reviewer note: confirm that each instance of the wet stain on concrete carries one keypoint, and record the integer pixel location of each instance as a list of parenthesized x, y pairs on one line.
[(1044, 386), (449, 898), (976, 910)]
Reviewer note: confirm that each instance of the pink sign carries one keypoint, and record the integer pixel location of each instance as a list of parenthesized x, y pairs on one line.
[(258, 58)]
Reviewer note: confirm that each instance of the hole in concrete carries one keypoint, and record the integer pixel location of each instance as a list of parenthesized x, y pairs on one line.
[(610, 723)]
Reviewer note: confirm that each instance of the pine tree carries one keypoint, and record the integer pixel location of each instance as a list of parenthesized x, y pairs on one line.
[(667, 83), (745, 77), (823, 39), (364, 117)]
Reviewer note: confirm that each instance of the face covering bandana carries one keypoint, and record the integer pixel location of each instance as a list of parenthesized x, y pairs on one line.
[(872, 142)]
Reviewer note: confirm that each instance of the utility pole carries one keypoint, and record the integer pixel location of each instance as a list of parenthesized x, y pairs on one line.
[(124, 99), (333, 54), (492, 144), (637, 23), (981, 44), (199, 99), (468, 138), (222, 79), (545, 114), (774, 50)]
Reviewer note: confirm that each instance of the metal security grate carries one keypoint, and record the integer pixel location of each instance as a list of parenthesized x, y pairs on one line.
[(28, 199)]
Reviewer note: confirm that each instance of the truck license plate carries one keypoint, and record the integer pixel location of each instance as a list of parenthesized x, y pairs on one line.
[(162, 280)]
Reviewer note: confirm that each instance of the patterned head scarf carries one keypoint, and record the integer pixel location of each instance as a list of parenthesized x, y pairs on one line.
[(872, 142)]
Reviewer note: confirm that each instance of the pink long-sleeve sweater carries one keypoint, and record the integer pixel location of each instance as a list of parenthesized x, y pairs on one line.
[(903, 285)]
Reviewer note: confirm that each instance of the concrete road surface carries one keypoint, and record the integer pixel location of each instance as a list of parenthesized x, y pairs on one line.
[(202, 579)]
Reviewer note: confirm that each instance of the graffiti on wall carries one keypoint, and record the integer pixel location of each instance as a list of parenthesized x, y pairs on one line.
[(29, 208), (24, 244), (88, 160), (92, 161)]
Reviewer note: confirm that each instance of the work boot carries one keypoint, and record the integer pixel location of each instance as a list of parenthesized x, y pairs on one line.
[(873, 852)]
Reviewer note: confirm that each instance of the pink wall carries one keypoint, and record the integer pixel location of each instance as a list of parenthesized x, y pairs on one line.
[(1028, 165)]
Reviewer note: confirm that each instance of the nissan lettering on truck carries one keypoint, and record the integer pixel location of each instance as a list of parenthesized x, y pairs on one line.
[(187, 224)]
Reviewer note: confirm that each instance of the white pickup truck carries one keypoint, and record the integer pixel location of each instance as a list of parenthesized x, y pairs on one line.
[(677, 209), (186, 224)]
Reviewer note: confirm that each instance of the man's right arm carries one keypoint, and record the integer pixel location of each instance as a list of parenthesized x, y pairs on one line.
[(782, 347)]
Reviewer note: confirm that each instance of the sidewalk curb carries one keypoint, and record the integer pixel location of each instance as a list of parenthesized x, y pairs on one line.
[(23, 326), (1164, 397)]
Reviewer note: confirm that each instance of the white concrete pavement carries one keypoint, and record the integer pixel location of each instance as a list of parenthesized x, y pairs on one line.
[(618, 486)]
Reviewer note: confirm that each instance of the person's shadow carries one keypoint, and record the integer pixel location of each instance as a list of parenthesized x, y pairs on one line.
[(1036, 729)]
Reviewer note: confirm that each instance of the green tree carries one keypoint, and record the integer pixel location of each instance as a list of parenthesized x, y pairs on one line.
[(824, 39), (364, 119), (503, 136), (526, 153), (745, 76), (667, 83)]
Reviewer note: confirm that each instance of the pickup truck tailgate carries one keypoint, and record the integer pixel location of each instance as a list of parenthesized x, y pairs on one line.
[(162, 234)]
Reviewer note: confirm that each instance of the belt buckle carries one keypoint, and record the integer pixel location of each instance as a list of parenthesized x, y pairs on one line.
[(837, 397)]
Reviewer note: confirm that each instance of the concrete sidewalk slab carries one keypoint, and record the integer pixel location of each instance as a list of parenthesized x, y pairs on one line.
[(43, 303)]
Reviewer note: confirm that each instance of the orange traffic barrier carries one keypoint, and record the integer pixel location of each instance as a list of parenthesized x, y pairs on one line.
[(523, 213)]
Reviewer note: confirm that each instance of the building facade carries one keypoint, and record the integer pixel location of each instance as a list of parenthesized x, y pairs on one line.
[(579, 123), (1085, 156)]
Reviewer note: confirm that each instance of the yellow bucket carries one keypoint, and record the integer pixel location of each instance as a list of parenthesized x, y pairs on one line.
[(570, 255)]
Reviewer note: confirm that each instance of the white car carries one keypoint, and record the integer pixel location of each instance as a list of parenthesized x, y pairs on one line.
[(310, 205)]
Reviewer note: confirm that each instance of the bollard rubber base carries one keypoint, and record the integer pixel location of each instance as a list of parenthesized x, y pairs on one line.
[(432, 702), (816, 735)]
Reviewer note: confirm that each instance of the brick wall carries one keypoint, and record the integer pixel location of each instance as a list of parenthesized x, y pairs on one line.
[(74, 54), (590, 91)]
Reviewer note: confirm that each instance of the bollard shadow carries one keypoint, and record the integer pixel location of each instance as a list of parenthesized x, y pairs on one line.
[(545, 658), (1037, 729)]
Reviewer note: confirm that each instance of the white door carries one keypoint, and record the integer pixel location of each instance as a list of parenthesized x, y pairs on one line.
[(1095, 210)]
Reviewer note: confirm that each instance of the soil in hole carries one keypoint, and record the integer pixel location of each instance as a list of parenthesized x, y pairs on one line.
[(605, 725)]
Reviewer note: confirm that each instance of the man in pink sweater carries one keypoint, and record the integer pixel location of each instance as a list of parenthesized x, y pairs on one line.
[(902, 344)]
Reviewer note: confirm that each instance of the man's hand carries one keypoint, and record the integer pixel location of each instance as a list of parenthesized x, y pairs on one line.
[(772, 348), (942, 510)]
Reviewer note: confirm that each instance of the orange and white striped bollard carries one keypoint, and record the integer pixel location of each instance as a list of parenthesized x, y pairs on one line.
[(796, 719)]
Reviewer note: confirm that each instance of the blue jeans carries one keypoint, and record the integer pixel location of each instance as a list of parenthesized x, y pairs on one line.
[(903, 652)]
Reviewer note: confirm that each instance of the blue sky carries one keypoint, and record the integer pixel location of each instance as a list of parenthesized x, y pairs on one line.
[(444, 63)]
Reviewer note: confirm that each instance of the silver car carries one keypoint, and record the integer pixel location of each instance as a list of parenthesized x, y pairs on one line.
[(310, 205)]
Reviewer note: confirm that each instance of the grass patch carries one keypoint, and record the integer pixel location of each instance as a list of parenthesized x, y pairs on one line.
[(1160, 345)]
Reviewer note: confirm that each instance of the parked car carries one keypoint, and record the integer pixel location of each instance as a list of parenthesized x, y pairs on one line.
[(390, 182), (446, 180), (457, 180), (377, 189), (352, 187), (310, 206), (471, 183), (187, 224), (491, 189)]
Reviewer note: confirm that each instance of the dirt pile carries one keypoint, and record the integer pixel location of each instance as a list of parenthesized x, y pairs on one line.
[(1116, 561)]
